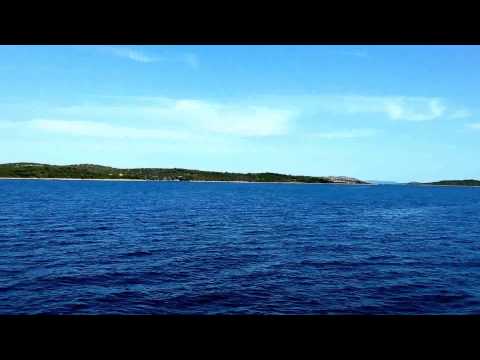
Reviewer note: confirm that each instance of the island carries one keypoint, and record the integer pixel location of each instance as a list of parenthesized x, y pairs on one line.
[(468, 182), (25, 170)]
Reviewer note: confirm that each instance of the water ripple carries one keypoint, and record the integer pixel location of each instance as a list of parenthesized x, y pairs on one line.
[(199, 248)]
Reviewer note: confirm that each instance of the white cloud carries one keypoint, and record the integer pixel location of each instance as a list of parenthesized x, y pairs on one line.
[(398, 108), (273, 118), (131, 54), (193, 115), (137, 55), (345, 134), (475, 126), (169, 118), (160, 119), (233, 119), (394, 107)]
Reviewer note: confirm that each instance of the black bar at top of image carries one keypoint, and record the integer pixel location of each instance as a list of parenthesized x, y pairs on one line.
[(263, 25)]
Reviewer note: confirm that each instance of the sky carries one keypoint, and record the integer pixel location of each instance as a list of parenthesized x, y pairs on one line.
[(393, 113)]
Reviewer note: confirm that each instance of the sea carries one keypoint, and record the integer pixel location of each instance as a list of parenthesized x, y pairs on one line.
[(106, 247)]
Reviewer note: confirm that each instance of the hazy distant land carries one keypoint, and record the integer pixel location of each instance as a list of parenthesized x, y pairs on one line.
[(98, 172)]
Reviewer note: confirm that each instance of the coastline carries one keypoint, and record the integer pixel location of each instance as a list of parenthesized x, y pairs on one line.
[(226, 181), (469, 186), (272, 182), (68, 179), (188, 181)]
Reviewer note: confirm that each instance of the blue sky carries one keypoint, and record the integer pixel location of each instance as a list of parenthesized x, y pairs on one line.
[(399, 113)]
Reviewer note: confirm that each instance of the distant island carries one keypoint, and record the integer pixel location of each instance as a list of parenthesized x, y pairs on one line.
[(89, 171), (469, 182)]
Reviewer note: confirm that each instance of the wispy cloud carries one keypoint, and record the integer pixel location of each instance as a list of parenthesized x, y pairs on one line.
[(172, 118), (394, 107), (141, 56), (345, 134), (196, 115), (233, 119), (131, 54), (160, 119)]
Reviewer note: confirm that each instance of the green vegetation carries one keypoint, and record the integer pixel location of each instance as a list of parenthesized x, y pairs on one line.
[(88, 171), (469, 182)]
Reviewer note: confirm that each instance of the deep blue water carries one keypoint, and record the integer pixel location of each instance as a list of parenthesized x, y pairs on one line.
[(87, 247)]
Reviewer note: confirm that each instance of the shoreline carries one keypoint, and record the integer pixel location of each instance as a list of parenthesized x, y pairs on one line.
[(68, 179), (469, 186), (272, 182), (187, 181), (227, 181)]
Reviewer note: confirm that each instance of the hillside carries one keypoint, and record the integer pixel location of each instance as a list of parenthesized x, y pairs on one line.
[(90, 171)]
